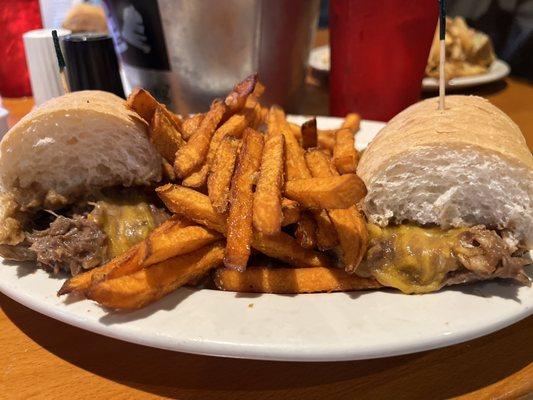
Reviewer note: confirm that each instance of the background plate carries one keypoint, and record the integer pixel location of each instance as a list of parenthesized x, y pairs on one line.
[(319, 60), (311, 327)]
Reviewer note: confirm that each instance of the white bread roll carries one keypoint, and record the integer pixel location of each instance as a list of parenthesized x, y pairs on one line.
[(72, 145), (463, 166)]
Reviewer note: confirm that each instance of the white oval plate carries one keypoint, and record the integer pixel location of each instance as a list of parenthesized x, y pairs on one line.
[(310, 327), (319, 59), (499, 69)]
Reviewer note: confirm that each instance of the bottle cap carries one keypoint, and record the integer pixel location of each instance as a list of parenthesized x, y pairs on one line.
[(92, 63)]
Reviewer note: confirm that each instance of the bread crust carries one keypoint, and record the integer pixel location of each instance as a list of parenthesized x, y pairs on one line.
[(107, 133), (467, 121)]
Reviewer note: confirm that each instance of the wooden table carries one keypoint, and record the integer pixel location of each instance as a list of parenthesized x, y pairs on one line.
[(43, 358)]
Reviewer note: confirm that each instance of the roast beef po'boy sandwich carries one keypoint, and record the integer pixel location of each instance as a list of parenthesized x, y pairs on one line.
[(449, 197), (63, 170)]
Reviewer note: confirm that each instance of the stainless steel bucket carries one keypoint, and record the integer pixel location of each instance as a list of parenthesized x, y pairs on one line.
[(188, 52)]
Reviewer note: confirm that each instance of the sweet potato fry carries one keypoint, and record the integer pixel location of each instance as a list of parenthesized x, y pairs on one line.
[(326, 235), (193, 154), (319, 164), (164, 135), (176, 241), (309, 134), (290, 210), (296, 130), (295, 166), (219, 180), (345, 156), (326, 140), (239, 225), (168, 171), (190, 125), (349, 223), (150, 284), (163, 244), (305, 232), (290, 280), (193, 205), (129, 260), (81, 282), (197, 179), (236, 99), (353, 235), (267, 214), (197, 207), (352, 122), (144, 104), (333, 192)]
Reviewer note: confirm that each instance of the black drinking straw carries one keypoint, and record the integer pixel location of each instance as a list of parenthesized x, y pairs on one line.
[(442, 56), (60, 61)]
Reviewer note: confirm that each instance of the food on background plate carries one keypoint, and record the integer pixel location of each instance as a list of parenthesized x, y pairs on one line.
[(449, 197), (64, 169), (468, 52)]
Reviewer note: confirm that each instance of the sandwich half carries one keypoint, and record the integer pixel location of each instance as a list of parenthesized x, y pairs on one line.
[(74, 179), (449, 197)]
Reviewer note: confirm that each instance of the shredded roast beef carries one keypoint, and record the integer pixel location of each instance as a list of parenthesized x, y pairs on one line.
[(484, 255), (69, 244)]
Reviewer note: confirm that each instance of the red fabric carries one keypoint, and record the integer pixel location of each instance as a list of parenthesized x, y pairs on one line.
[(16, 18)]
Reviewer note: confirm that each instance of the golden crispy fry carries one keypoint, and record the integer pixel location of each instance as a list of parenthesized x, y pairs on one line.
[(349, 224), (197, 207), (130, 258), (319, 164), (326, 140), (305, 232), (81, 282), (296, 130), (285, 248), (174, 237), (352, 122), (290, 210), (309, 134), (191, 124), (143, 103), (239, 225), (193, 205), (150, 284), (176, 241), (345, 156), (290, 280), (295, 166), (164, 135), (236, 100), (219, 180), (267, 214), (197, 179), (193, 154), (326, 235), (353, 235), (334, 192)]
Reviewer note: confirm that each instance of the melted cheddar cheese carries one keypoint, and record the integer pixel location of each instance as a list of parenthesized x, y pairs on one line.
[(411, 258)]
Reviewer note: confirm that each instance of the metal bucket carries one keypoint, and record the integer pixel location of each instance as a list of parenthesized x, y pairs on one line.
[(189, 52)]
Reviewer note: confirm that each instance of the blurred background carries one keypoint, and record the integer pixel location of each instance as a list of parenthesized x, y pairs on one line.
[(371, 57)]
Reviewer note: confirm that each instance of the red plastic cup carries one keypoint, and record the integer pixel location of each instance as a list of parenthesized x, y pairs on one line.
[(16, 18), (379, 50)]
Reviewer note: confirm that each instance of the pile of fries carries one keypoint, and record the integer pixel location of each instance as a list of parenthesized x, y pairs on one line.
[(259, 204)]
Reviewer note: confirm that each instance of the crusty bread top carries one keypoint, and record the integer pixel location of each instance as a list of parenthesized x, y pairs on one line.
[(72, 145), (467, 121), (94, 100)]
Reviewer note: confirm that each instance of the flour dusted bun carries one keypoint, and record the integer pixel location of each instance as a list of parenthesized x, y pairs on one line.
[(466, 165), (72, 145)]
